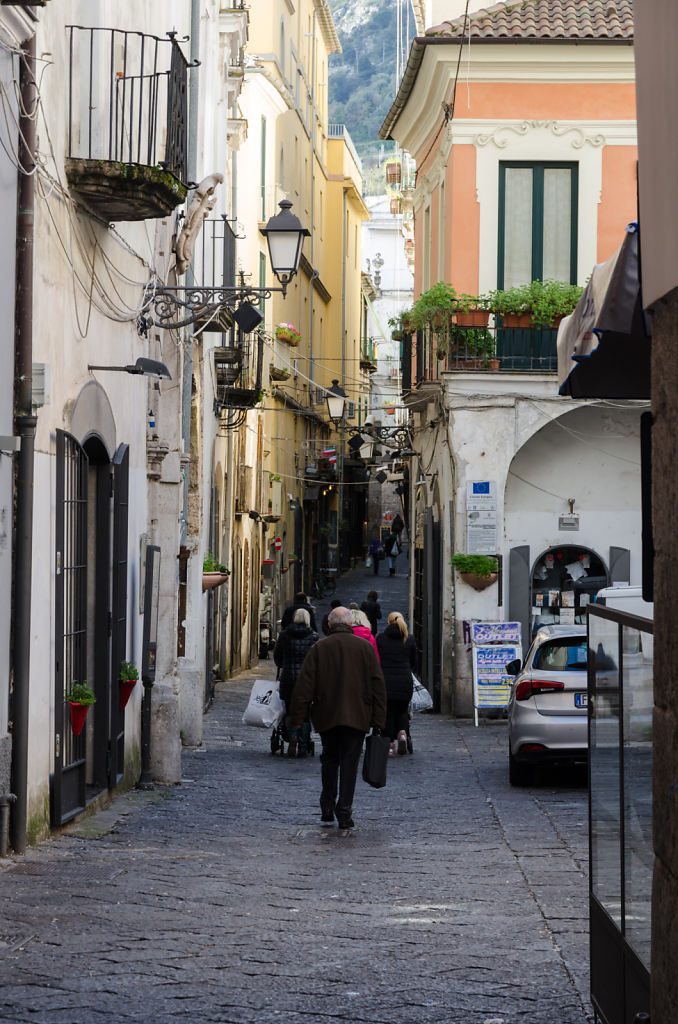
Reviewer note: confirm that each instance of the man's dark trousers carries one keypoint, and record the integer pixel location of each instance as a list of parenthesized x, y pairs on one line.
[(340, 759)]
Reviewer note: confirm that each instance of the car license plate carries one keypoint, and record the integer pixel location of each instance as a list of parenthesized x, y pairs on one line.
[(581, 700)]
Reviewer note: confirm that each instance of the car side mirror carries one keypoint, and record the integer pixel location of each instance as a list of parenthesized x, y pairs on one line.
[(512, 668)]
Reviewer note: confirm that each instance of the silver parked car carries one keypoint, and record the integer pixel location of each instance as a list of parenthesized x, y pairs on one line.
[(547, 712)]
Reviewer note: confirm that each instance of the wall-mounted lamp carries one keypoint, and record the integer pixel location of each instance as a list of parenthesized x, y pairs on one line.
[(285, 237), (255, 515), (144, 367)]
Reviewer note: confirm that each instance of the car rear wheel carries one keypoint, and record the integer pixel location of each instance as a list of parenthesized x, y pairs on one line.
[(519, 774)]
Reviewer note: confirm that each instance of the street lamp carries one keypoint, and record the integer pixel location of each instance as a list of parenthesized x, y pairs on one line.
[(336, 401), (285, 237)]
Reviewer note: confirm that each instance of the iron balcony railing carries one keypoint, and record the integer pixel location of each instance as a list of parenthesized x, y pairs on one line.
[(214, 256), (127, 98), (427, 355)]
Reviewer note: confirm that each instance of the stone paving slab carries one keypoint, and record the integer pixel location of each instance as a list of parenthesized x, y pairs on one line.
[(456, 900)]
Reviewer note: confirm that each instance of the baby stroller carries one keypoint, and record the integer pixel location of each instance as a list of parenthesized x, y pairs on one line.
[(281, 736)]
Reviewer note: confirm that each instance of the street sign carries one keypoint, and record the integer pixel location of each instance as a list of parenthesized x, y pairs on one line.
[(278, 544)]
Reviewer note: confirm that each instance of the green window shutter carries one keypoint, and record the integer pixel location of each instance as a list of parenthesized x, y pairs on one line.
[(538, 211), (263, 168)]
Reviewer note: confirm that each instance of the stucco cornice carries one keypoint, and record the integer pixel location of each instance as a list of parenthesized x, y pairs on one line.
[(431, 71)]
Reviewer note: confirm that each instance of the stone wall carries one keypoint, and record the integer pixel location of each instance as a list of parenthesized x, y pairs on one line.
[(665, 783)]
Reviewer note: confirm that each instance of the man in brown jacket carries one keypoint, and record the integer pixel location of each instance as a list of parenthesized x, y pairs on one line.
[(342, 683)]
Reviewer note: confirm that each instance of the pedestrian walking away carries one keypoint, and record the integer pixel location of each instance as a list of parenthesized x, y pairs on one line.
[(343, 686), (392, 549), (397, 525), (372, 610), (376, 554), (291, 648), (300, 601), (398, 658), (334, 603), (361, 627)]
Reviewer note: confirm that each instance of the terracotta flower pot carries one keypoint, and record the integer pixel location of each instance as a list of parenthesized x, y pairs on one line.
[(126, 687), (478, 582), (213, 579), (472, 317), (78, 716), (517, 319)]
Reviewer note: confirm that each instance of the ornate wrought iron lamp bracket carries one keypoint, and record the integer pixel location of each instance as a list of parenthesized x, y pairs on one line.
[(174, 306)]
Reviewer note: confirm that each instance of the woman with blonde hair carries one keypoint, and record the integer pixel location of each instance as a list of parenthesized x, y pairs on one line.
[(398, 658), (361, 627)]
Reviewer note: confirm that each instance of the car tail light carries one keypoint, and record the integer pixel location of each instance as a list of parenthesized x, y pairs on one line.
[(528, 687), (531, 747)]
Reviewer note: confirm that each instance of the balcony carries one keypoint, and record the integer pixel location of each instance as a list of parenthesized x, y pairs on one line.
[(368, 356), (237, 371), (427, 356), (126, 145)]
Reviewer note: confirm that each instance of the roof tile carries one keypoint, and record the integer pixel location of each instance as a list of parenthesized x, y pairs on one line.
[(545, 19)]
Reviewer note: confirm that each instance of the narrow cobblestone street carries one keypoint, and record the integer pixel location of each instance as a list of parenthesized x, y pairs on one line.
[(456, 900)]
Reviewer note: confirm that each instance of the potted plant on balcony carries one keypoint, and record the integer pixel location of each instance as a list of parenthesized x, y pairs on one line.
[(472, 310), (552, 300), (80, 698), (514, 305), (479, 571), (472, 347), (289, 333), (213, 572), (434, 308), (128, 680)]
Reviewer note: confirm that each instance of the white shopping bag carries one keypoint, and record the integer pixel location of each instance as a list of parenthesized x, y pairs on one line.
[(265, 708), (421, 698)]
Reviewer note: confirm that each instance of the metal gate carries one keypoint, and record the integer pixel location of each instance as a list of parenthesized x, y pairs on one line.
[(70, 614)]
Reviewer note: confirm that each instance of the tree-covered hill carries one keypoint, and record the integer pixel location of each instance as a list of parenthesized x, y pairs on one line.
[(362, 79)]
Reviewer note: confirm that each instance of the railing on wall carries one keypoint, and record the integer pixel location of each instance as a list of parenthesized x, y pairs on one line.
[(127, 98), (497, 348)]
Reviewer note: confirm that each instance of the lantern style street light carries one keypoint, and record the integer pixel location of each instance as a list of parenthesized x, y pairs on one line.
[(285, 236), (336, 401), (174, 306)]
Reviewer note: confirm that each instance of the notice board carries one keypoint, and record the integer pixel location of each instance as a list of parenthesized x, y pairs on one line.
[(494, 645)]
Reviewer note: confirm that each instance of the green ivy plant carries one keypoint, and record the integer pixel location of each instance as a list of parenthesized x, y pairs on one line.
[(80, 693), (128, 670), (478, 565)]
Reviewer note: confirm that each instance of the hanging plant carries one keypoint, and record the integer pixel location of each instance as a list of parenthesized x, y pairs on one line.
[(288, 332), (479, 571), (128, 680), (80, 698)]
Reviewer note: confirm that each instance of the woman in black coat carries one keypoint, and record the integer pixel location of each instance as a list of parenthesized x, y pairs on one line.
[(398, 653), (291, 648)]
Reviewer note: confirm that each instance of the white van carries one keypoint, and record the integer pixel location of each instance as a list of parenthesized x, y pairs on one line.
[(626, 599)]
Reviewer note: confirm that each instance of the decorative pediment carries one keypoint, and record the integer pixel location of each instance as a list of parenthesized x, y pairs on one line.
[(501, 136)]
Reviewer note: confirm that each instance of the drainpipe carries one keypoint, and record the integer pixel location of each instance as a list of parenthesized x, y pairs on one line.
[(192, 164), (313, 150), (25, 423), (344, 255)]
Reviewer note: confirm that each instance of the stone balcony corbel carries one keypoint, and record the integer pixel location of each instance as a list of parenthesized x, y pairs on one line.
[(155, 454)]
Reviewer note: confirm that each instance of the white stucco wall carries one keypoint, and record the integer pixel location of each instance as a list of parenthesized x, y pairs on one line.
[(540, 450)]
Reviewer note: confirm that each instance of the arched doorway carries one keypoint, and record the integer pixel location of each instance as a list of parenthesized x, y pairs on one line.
[(565, 580)]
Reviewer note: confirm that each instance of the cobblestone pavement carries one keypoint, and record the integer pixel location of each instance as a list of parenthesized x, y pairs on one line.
[(456, 900)]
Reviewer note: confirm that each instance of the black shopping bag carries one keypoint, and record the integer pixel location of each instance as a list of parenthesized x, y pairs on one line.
[(374, 762)]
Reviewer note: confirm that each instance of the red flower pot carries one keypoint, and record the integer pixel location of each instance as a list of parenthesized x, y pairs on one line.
[(126, 687), (78, 716)]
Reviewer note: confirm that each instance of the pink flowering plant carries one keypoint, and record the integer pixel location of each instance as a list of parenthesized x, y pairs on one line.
[(288, 333)]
